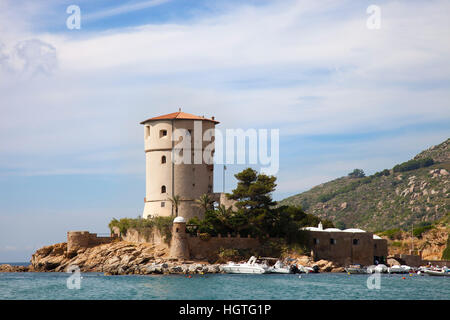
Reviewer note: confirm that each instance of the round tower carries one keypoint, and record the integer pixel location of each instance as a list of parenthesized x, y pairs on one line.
[(164, 177), (179, 248)]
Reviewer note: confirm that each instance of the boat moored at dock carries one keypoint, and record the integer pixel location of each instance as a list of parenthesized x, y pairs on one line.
[(356, 269)]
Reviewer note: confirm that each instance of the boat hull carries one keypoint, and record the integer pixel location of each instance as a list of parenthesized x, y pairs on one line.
[(437, 273), (243, 270), (356, 270), (279, 271)]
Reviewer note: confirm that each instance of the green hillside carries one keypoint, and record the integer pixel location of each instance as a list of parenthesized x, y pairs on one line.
[(412, 192)]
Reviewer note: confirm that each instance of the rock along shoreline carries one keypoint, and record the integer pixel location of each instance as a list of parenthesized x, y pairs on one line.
[(127, 258)]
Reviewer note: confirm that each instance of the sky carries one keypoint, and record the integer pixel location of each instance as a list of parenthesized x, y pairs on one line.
[(343, 96)]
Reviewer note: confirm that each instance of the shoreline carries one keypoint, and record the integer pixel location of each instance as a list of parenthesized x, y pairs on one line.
[(127, 258)]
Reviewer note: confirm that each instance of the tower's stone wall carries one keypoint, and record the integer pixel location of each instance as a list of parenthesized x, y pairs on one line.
[(179, 245), (165, 178)]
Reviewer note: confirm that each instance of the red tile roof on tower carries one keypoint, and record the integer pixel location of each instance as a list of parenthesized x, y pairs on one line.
[(180, 116)]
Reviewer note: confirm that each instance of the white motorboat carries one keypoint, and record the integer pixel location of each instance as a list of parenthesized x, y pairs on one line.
[(371, 269), (408, 269), (356, 269), (381, 268), (303, 269), (309, 270), (444, 272), (279, 267), (398, 269), (249, 267)]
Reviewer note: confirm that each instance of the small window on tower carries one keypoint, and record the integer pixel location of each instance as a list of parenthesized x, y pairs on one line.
[(162, 133), (163, 159), (332, 241), (147, 131), (163, 189), (163, 204)]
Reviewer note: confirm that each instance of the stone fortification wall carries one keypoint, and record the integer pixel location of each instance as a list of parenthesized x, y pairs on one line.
[(83, 239), (201, 248)]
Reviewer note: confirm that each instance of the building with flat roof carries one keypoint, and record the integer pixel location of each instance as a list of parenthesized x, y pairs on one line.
[(349, 246)]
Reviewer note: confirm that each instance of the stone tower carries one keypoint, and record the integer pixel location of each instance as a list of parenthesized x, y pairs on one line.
[(164, 178), (179, 248)]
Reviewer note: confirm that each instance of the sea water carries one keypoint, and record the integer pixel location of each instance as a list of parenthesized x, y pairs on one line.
[(31, 285)]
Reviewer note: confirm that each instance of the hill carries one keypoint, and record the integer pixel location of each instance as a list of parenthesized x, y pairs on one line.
[(412, 192)]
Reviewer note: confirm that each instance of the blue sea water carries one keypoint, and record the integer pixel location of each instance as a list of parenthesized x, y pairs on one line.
[(222, 286)]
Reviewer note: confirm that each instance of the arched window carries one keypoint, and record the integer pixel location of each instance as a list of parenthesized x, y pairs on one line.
[(163, 189), (163, 159)]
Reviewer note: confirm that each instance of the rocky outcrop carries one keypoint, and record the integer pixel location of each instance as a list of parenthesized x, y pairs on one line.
[(432, 243), (120, 257), (123, 257), (10, 268), (324, 265)]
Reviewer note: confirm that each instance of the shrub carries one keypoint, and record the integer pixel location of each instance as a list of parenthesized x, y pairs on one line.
[(424, 226), (392, 234), (340, 225), (413, 164), (164, 226), (231, 254), (357, 173), (144, 226), (326, 196), (397, 244), (385, 172)]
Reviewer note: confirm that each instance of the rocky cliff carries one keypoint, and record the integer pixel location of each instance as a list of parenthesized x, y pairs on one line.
[(432, 243), (122, 257)]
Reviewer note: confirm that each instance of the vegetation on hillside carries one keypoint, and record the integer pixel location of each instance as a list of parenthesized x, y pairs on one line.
[(413, 164), (412, 192)]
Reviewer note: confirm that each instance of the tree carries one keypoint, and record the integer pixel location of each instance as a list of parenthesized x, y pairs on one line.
[(256, 214), (253, 191), (254, 201), (340, 225), (205, 202), (175, 199), (357, 173)]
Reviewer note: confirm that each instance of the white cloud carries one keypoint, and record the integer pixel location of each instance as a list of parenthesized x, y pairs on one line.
[(255, 62)]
